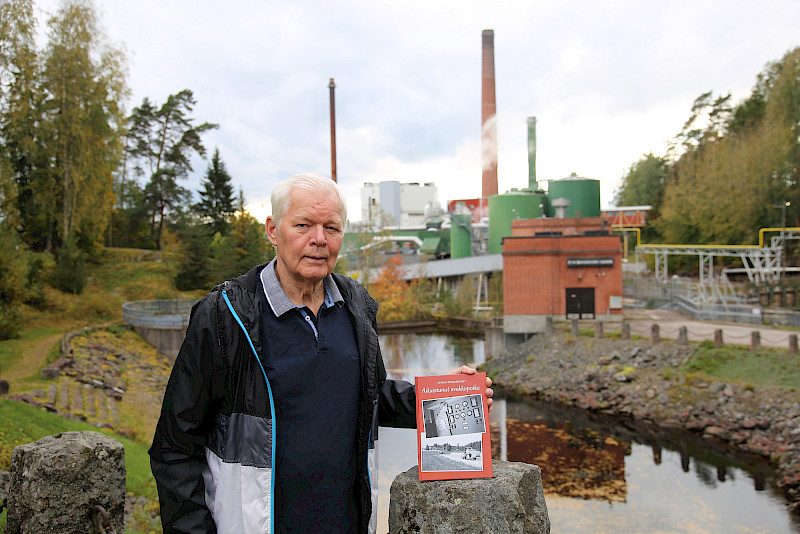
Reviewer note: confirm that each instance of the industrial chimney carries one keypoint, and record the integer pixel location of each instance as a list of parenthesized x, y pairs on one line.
[(488, 118), (331, 87), (532, 185)]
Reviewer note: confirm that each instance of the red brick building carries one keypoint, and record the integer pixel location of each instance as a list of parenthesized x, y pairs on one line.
[(562, 268)]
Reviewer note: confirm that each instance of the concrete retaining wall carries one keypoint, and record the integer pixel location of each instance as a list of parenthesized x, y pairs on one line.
[(167, 341)]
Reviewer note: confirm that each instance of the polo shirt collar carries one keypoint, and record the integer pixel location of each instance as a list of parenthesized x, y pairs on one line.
[(280, 303)]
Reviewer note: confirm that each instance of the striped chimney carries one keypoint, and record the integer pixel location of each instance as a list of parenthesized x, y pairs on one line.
[(488, 117)]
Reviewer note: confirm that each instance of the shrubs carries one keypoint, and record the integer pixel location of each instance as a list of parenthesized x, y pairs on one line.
[(21, 272), (9, 321), (399, 300), (69, 274)]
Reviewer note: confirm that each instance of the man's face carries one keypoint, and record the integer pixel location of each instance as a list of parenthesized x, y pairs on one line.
[(309, 237)]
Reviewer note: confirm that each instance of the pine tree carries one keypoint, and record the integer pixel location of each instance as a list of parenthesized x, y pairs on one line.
[(162, 141), (216, 198), (193, 269)]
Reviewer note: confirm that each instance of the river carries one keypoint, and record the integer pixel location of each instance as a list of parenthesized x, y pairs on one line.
[(600, 474)]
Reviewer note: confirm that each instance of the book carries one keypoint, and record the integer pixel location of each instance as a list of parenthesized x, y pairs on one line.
[(453, 427)]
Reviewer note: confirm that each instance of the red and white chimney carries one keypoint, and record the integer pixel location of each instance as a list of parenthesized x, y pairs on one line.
[(488, 118)]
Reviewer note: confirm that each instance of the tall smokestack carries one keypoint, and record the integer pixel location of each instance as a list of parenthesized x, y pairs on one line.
[(332, 86), (488, 117), (532, 185)]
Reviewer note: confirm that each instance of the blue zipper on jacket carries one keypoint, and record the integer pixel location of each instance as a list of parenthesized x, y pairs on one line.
[(271, 407)]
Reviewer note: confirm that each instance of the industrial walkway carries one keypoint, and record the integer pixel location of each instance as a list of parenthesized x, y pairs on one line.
[(669, 323)]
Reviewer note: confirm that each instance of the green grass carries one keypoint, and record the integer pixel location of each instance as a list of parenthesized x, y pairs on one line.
[(120, 275), (23, 423), (765, 367)]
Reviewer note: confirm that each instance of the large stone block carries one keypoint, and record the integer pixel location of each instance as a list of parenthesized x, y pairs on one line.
[(5, 483), (510, 503), (57, 481)]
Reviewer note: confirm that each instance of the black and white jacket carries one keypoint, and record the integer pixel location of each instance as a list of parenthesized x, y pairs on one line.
[(214, 446)]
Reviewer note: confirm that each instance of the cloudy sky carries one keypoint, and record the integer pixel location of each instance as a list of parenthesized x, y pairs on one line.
[(607, 81)]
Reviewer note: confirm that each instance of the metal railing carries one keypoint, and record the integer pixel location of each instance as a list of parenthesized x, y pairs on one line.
[(715, 312), (681, 293)]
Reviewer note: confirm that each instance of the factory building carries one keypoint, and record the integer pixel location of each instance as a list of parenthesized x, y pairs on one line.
[(559, 256), (398, 205), (567, 268)]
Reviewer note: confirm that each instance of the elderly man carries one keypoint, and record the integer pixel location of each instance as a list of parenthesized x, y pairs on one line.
[(271, 412)]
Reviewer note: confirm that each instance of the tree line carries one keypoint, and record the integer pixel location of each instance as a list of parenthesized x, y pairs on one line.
[(78, 173), (732, 168)]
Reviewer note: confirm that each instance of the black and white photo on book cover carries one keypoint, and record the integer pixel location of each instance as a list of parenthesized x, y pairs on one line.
[(453, 427)]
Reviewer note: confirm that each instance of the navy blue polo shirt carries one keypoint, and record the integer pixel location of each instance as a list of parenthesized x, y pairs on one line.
[(313, 368)]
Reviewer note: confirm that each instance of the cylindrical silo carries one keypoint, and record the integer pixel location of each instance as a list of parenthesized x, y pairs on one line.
[(583, 194), (460, 235), (508, 207)]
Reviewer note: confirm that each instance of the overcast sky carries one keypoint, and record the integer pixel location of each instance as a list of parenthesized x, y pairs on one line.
[(607, 82)]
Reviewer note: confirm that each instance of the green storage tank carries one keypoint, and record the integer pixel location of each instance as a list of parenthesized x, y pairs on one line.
[(583, 194), (508, 207), (461, 235)]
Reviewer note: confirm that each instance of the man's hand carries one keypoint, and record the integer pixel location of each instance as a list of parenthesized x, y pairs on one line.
[(466, 370)]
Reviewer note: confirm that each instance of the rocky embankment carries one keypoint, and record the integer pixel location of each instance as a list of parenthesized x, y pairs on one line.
[(633, 378)]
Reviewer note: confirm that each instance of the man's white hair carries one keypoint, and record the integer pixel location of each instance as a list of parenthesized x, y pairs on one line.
[(309, 183)]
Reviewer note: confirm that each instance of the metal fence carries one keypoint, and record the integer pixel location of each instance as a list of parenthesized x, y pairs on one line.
[(715, 312), (655, 293), (678, 292), (158, 313), (782, 317)]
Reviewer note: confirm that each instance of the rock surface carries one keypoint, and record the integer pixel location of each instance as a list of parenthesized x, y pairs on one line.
[(633, 378), (5, 484), (511, 502), (56, 481)]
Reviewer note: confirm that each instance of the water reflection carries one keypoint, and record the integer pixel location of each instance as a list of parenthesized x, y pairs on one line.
[(586, 465), (410, 355), (600, 474)]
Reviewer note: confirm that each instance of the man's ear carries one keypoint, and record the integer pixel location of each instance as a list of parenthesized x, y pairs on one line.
[(272, 231)]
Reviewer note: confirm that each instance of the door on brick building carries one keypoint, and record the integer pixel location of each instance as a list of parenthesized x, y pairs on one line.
[(580, 303)]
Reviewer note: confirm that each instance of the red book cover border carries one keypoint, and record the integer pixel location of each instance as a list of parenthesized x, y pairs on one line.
[(453, 427)]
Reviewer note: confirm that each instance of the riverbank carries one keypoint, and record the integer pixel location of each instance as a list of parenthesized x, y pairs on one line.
[(638, 380), (459, 326)]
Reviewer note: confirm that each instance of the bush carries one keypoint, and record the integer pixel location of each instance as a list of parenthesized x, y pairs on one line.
[(69, 274), (40, 267), (399, 301), (14, 270), (9, 322), (194, 259)]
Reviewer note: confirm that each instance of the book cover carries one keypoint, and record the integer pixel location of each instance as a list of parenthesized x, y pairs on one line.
[(453, 427)]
